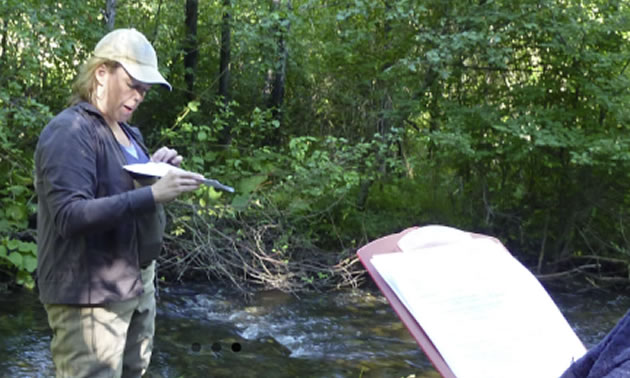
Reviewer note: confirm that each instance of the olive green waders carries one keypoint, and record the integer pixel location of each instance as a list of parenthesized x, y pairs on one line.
[(112, 340)]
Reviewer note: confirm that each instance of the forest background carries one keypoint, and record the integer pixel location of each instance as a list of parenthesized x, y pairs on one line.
[(340, 121)]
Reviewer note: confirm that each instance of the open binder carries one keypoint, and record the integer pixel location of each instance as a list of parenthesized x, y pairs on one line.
[(491, 319)]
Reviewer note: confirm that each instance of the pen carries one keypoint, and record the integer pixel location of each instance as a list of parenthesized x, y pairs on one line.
[(218, 185)]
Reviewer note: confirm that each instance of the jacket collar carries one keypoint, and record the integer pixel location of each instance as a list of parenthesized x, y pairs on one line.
[(92, 110), (86, 106)]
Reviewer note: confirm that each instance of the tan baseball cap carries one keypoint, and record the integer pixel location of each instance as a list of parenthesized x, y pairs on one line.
[(133, 51)]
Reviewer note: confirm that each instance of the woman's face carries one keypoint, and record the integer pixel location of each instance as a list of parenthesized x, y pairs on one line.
[(122, 95)]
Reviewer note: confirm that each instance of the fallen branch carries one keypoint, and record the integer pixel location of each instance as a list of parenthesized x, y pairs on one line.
[(580, 269), (247, 254)]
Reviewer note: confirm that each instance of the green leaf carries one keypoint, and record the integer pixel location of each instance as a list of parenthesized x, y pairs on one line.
[(16, 212), (30, 263), (13, 244), (27, 247), (249, 184), (193, 106), (214, 194), (25, 279), (16, 259), (17, 190), (240, 202)]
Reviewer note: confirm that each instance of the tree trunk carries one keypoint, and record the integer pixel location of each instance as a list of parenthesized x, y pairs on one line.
[(110, 14), (224, 65), (280, 71), (276, 78), (3, 43), (157, 22), (383, 122), (191, 52)]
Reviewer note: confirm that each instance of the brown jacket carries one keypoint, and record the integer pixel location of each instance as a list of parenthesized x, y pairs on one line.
[(93, 225)]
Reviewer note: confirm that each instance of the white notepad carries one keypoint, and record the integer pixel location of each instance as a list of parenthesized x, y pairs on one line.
[(488, 316)]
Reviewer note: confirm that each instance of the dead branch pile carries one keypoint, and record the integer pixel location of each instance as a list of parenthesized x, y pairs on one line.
[(252, 254)]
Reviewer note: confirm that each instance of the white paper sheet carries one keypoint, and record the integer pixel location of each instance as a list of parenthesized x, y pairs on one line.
[(485, 312), (151, 168), (159, 169), (431, 236)]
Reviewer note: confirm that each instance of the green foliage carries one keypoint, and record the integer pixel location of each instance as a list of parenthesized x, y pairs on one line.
[(31, 44), (506, 117), (21, 256)]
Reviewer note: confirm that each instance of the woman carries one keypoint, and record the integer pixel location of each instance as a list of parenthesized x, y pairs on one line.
[(99, 229)]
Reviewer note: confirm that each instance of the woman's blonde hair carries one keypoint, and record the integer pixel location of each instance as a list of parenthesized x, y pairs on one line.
[(85, 83)]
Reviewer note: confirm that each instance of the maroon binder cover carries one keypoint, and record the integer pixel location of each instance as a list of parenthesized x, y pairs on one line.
[(388, 244)]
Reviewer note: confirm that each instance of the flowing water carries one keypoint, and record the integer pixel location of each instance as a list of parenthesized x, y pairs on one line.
[(208, 332)]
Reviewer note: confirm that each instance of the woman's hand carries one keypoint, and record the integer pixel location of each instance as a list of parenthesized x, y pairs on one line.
[(174, 183), (167, 155)]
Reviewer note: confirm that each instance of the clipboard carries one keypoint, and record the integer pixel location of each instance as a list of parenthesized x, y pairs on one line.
[(388, 244), (547, 340)]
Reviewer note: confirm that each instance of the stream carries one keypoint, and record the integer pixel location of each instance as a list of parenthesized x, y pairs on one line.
[(208, 332)]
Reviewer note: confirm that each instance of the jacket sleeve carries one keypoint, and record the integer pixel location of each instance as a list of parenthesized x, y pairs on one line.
[(66, 160)]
